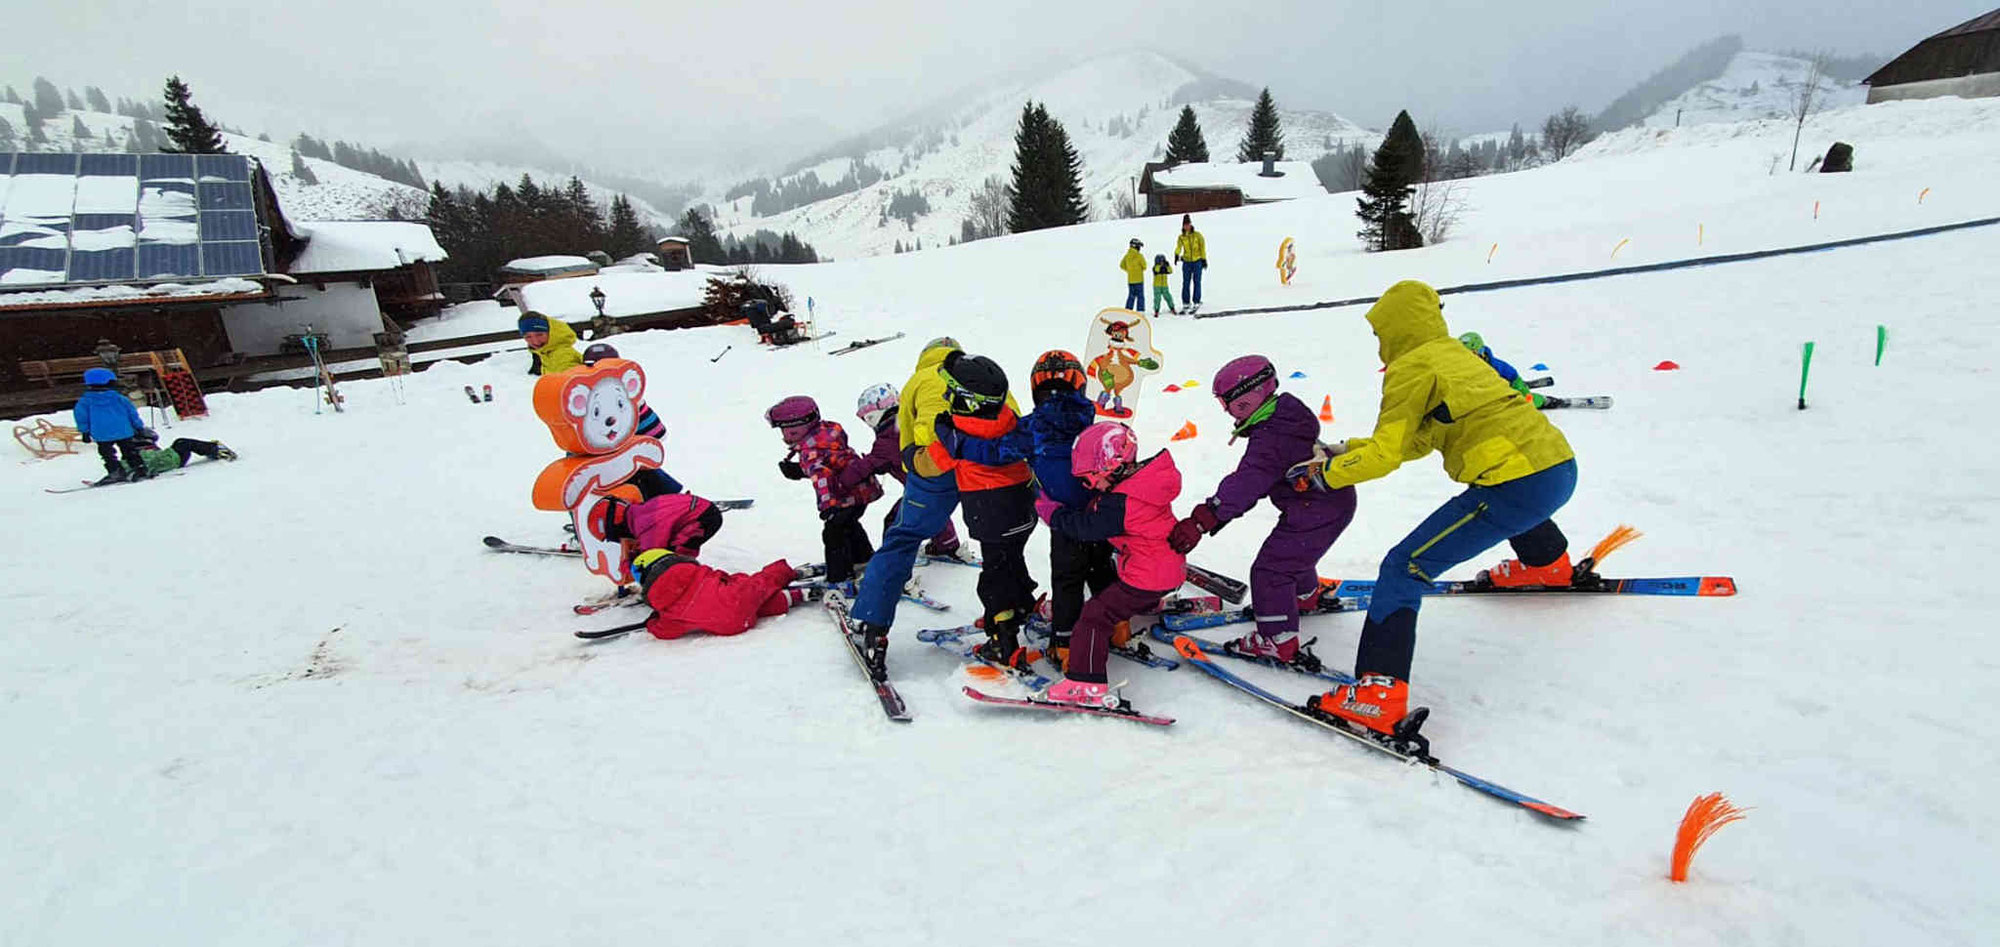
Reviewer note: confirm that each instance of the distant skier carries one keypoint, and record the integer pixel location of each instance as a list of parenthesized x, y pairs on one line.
[(779, 331), (1132, 509), (105, 416), (979, 442), (687, 596), (1477, 345), (877, 408), (176, 455), (1284, 578), (1162, 296), (551, 344), (1191, 252), (929, 496), (1517, 467), (650, 481), (1134, 265), (818, 453), (1061, 414)]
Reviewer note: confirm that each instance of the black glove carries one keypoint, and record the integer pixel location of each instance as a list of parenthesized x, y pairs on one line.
[(86, 438), (791, 469)]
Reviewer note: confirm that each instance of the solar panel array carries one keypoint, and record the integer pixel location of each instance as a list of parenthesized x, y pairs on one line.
[(82, 218)]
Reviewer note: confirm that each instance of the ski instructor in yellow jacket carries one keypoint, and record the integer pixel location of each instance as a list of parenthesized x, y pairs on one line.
[(1517, 467), (1191, 252)]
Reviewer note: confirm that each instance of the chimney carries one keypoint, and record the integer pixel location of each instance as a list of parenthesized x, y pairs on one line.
[(1270, 164)]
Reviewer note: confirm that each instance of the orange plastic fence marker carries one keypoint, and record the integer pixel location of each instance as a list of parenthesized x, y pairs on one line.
[(1704, 816)]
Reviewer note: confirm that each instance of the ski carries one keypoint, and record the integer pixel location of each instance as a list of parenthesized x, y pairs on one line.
[(1411, 747), (914, 596), (863, 343), (92, 484), (964, 557), (1134, 651), (472, 395), (733, 504), (603, 633), (1309, 664), (1542, 382), (1123, 711), (497, 544), (1231, 590), (1552, 403), (892, 702), (953, 641), (1584, 583), (486, 390), (625, 596)]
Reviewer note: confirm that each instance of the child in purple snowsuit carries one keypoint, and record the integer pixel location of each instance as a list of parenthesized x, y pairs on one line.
[(819, 453), (877, 409), (1281, 431)]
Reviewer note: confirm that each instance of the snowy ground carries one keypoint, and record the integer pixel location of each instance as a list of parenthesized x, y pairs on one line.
[(291, 700)]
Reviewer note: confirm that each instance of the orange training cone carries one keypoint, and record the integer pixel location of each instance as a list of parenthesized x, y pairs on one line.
[(1326, 409), (1186, 433)]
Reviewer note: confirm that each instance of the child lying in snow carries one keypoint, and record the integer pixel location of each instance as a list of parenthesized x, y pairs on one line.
[(688, 596)]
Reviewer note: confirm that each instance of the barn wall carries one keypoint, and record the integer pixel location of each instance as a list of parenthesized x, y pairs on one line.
[(1984, 85), (347, 312), (198, 333)]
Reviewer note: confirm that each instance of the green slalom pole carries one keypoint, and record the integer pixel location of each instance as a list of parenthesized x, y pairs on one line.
[(1805, 369), (1881, 343)]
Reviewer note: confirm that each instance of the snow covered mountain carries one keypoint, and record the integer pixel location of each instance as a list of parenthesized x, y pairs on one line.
[(1754, 86), (1117, 109)]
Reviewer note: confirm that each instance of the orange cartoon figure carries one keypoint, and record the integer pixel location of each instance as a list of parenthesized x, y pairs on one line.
[(1120, 352), (593, 415)]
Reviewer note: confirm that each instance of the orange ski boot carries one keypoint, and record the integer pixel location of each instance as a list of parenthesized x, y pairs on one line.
[(1513, 574), (1378, 702), (1121, 634)]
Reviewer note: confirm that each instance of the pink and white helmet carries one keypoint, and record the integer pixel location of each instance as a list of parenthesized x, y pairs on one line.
[(1245, 384), (878, 402), (1101, 451)]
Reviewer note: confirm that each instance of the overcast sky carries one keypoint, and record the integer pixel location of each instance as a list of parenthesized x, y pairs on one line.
[(669, 85)]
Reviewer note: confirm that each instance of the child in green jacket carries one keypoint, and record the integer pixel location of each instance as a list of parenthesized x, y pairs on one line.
[(1161, 294), (176, 455)]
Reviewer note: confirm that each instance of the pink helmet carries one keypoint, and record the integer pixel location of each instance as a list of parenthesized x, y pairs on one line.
[(1245, 384), (792, 416), (1101, 451)]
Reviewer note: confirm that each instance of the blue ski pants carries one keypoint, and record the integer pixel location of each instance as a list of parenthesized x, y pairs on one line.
[(1135, 297), (1465, 526), (1191, 279), (926, 508)]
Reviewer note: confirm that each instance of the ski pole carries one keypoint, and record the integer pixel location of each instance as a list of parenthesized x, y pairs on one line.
[(1805, 369)]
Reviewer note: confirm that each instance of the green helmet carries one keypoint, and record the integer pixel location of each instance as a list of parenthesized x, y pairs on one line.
[(1471, 340), (942, 342)]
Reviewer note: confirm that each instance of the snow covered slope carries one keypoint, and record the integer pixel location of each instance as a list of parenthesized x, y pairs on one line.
[(291, 699), (1756, 85), (1117, 109)]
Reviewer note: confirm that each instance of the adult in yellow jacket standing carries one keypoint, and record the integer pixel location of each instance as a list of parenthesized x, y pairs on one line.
[(929, 497), (1191, 252), (1518, 468), (1134, 265), (551, 344)]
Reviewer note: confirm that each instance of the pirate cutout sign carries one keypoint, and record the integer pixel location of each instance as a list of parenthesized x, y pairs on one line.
[(592, 413), (1117, 355)]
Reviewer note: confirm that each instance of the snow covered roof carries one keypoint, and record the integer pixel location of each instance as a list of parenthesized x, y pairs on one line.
[(341, 246), (1296, 179), (625, 294), (548, 265), (120, 293)]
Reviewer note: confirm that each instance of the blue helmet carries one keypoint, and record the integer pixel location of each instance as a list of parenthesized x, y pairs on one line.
[(99, 376)]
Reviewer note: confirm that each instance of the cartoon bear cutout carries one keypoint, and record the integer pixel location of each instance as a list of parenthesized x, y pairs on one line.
[(592, 413)]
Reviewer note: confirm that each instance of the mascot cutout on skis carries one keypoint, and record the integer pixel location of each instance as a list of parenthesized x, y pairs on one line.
[(592, 413), (1118, 354)]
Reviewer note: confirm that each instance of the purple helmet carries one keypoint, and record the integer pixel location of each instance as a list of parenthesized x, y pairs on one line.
[(792, 416), (1101, 451), (1245, 384), (597, 352)]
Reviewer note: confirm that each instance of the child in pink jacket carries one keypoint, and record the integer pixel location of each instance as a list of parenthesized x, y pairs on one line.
[(819, 453)]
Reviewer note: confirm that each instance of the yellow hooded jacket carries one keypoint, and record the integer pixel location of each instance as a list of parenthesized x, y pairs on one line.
[(559, 353), (1134, 265), (1437, 395), (1191, 246), (917, 409)]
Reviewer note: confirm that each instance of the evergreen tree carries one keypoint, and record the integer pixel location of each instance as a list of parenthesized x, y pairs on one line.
[(188, 131), (6, 136), (78, 131), (98, 101), (47, 100), (301, 170), (583, 223), (36, 138), (110, 141), (73, 101), (1048, 175), (1517, 146), (1264, 134), (11, 97), (703, 245), (1185, 143), (1386, 188), (625, 236)]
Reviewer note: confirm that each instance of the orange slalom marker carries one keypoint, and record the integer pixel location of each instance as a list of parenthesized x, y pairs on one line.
[(1704, 816), (1170, 389), (1667, 366), (1326, 409), (1186, 433)]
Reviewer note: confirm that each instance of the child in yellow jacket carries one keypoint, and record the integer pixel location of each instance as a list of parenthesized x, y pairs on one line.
[(1134, 265), (1162, 295)]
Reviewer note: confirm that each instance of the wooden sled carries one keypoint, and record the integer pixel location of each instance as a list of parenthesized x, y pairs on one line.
[(45, 440)]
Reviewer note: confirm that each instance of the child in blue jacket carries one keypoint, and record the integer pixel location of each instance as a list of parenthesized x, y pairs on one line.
[(106, 416), (1061, 413)]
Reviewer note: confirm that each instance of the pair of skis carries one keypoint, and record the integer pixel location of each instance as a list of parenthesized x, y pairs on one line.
[(474, 396), (94, 484), (859, 344)]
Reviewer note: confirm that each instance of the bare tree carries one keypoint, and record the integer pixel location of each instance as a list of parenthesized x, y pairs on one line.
[(1564, 132), (1124, 206), (1805, 101), (1439, 199)]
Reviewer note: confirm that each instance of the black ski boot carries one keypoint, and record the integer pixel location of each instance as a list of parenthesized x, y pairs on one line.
[(873, 640), (1002, 646), (115, 476)]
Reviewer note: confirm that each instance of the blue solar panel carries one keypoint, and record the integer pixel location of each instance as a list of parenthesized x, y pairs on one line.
[(33, 265), (225, 196), (102, 265), (236, 258), (228, 225), (222, 168), (46, 163), (157, 167), (169, 260), (108, 166), (37, 232)]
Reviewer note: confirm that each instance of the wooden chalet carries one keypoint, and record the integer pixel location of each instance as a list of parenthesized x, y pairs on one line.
[(1962, 61)]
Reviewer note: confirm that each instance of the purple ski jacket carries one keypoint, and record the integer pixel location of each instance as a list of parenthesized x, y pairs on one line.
[(886, 457), (1275, 444)]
